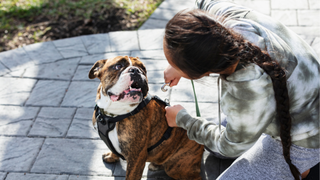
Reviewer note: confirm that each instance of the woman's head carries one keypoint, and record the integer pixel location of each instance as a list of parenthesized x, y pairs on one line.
[(196, 44)]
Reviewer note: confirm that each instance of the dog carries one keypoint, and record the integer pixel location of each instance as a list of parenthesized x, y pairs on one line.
[(123, 86)]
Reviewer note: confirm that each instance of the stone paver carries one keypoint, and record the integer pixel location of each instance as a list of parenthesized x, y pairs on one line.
[(15, 58), (262, 6), (124, 41), (81, 126), (289, 4), (43, 52), (96, 43), (2, 175), (81, 94), (305, 20), (28, 176), (63, 69), (287, 17), (15, 91), (147, 55), (16, 120), (91, 59), (47, 99), (151, 39), (71, 47), (18, 153), (74, 177), (52, 122), (48, 93), (72, 156)]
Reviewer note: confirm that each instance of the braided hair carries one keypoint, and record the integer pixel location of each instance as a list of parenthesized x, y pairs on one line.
[(194, 38)]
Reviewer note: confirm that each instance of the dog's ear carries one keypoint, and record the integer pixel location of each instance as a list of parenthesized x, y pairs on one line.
[(96, 68)]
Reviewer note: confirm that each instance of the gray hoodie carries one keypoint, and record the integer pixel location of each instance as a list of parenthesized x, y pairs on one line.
[(247, 96)]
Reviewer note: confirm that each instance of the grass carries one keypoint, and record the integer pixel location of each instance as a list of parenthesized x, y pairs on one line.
[(16, 16)]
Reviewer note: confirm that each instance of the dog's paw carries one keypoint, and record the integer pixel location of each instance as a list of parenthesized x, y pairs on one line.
[(110, 157), (155, 167)]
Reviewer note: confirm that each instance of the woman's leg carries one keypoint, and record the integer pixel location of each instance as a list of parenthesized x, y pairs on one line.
[(265, 161)]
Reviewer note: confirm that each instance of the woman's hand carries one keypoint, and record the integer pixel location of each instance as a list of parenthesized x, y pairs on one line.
[(171, 113), (172, 76)]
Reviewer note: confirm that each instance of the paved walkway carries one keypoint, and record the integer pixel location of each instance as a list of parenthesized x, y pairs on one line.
[(46, 99)]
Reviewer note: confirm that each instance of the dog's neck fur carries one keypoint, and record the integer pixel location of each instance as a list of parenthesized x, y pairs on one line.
[(114, 107)]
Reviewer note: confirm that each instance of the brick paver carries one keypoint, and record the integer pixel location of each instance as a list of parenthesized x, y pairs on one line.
[(47, 100)]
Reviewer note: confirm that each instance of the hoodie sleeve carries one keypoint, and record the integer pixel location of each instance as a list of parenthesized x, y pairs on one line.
[(243, 94)]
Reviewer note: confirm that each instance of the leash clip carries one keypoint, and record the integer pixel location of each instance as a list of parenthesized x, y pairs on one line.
[(165, 87)]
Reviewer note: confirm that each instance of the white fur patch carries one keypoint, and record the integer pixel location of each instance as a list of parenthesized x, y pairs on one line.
[(113, 136)]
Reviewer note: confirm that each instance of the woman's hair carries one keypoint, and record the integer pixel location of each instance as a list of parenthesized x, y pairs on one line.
[(198, 44)]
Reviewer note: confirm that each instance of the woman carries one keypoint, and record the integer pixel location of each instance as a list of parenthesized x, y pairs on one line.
[(270, 89)]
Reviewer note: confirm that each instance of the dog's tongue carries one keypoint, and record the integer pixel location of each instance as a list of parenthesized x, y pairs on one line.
[(120, 96), (114, 97)]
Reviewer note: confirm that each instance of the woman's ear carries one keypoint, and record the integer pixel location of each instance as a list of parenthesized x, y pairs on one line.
[(96, 68)]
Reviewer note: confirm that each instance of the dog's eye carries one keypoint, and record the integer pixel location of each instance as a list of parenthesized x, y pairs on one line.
[(117, 66)]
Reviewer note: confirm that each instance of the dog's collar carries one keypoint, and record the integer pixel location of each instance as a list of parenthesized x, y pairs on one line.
[(107, 123)]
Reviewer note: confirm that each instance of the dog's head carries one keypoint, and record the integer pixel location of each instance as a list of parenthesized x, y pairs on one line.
[(123, 80)]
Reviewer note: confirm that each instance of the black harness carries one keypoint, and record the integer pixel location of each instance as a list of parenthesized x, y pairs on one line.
[(107, 123)]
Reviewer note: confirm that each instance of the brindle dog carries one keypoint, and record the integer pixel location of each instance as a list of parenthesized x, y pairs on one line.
[(123, 86)]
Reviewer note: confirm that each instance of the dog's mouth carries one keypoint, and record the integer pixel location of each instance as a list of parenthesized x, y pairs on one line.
[(134, 92)]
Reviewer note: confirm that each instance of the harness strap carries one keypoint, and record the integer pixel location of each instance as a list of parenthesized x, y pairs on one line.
[(165, 136), (107, 123)]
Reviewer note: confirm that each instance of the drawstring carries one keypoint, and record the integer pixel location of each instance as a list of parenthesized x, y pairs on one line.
[(219, 112)]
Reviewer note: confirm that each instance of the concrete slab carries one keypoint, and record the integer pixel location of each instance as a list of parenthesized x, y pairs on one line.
[(82, 73), (18, 153), (149, 54), (176, 5), (52, 122), (314, 4), (305, 20), (153, 65), (72, 156), (60, 70), (80, 94), (287, 17), (3, 70), (3, 175), (163, 14), (48, 93), (15, 58), (262, 6), (151, 39), (124, 41), (15, 91), (81, 126), (71, 47), (74, 177), (28, 176), (96, 43), (16, 120), (91, 59), (307, 30), (154, 24), (43, 52), (289, 4)]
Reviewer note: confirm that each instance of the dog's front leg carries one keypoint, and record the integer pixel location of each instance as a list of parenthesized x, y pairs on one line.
[(136, 164)]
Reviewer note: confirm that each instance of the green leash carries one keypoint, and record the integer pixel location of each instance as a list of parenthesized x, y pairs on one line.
[(196, 100)]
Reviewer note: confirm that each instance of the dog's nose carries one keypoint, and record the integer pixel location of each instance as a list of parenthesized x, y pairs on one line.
[(134, 71)]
